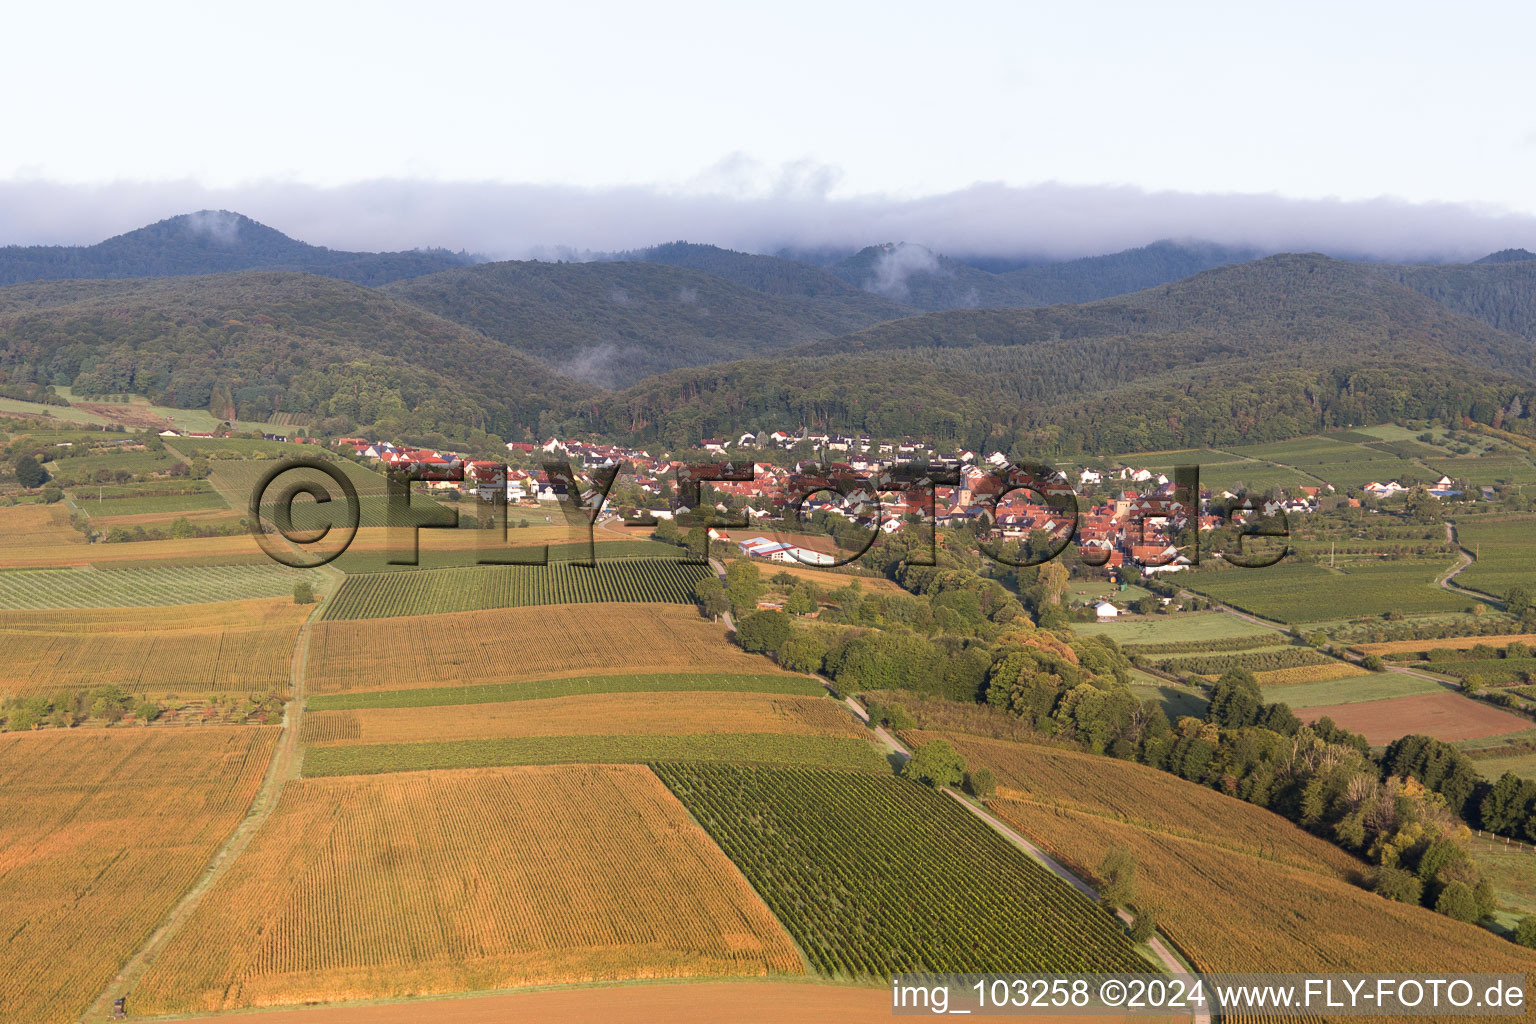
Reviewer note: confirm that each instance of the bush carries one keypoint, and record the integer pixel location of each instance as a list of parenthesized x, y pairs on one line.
[(1400, 885), (1458, 901), (935, 764), (1144, 927), (29, 473), (898, 717), (1373, 663), (803, 653), (303, 593), (980, 783), (1525, 932), (764, 631), (1117, 878)]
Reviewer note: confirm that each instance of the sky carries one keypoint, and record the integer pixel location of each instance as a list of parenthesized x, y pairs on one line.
[(386, 124)]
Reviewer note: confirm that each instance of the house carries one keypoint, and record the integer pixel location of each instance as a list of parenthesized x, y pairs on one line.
[(1105, 610), (1089, 477)]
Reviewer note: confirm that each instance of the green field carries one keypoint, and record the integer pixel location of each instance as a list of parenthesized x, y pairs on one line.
[(130, 588), (1175, 627), (1523, 765), (133, 505), (873, 875), (497, 693), (1506, 554), (1177, 701), (378, 561), (1511, 867), (1300, 592), (748, 748), (428, 592), (1353, 690), (1262, 660)]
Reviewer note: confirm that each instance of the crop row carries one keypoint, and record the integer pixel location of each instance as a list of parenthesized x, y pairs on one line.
[(539, 689), (383, 595), (1225, 643), (1253, 661), (875, 875), (116, 588)]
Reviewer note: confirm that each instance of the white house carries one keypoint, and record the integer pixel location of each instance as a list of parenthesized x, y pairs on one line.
[(1105, 610)]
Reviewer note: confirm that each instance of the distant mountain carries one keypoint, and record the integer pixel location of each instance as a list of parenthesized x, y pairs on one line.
[(1499, 292), (212, 242), (1263, 350), (1507, 256), (916, 275), (614, 323), (346, 356)]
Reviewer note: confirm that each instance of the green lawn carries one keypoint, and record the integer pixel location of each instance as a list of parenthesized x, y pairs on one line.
[(1159, 629), (1353, 690), (1177, 701), (1293, 592)]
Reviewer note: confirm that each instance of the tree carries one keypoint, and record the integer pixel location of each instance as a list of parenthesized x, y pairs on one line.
[(764, 631), (935, 764), (742, 586), (147, 710), (1398, 884), (803, 653), (710, 594), (1517, 600), (980, 783), (1373, 663), (1458, 901), (29, 473), (800, 603), (1144, 926), (1525, 931), (1117, 878), (303, 593)]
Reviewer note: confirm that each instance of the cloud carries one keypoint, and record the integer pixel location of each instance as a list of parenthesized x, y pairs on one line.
[(219, 226), (794, 210), (897, 263)]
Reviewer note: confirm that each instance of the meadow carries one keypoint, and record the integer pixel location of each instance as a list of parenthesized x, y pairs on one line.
[(1185, 627), (169, 584), (543, 689), (382, 595), (1350, 689), (470, 880), (237, 647), (851, 752), (626, 714), (101, 832), (504, 646), (874, 874)]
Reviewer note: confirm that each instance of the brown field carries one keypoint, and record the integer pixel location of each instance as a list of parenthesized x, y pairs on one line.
[(24, 528), (1309, 674), (602, 713), (433, 882), (238, 549), (1458, 643), (237, 646), (101, 832), (1235, 912), (829, 581), (1445, 716), (716, 1002), (1136, 794), (510, 644)]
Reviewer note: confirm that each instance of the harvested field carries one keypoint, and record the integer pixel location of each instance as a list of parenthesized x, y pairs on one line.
[(1445, 716), (101, 832), (541, 689), (26, 528), (1458, 643), (513, 644), (239, 549), (468, 880), (238, 647), (609, 713), (167, 584)]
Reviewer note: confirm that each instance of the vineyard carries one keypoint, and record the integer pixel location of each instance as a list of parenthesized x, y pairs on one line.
[(239, 647), (24, 528), (1413, 648), (1254, 661), (541, 689), (505, 645), (461, 881), (1302, 674), (101, 832), (60, 552), (875, 875), (741, 747), (1235, 912), (1139, 795), (608, 713), (1506, 553), (140, 588), (1297, 592), (380, 595)]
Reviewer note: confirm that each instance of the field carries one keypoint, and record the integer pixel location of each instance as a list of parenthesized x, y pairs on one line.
[(100, 834), (25, 528), (542, 689), (1512, 869), (1522, 764), (828, 580), (238, 647), (1506, 553), (854, 752), (456, 549), (1185, 627), (456, 881), (874, 874), (1460, 643), (239, 549), (142, 588), (1351, 690), (511, 644), (1232, 911), (381, 595), (1445, 716), (1297, 592), (1308, 674), (608, 713), (1143, 796)]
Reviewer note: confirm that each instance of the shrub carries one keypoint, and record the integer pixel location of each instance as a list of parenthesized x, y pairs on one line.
[(1525, 931), (1373, 663), (980, 782), (1458, 901), (303, 593), (1145, 926), (1117, 878), (935, 764), (1400, 885)]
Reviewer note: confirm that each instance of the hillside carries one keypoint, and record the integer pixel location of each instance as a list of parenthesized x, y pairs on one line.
[(614, 323), (1499, 290), (211, 242), (1256, 351), (913, 274), (276, 342)]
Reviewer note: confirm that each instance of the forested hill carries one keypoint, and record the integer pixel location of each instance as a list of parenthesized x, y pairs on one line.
[(1257, 351), (614, 323), (772, 275), (349, 356), (915, 275), (1499, 291), (212, 242)]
